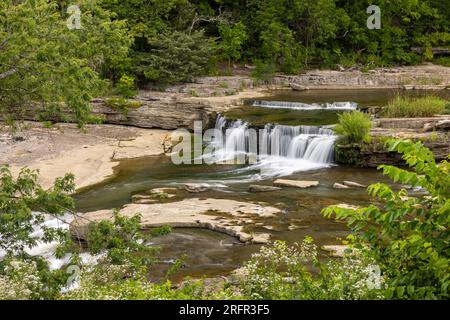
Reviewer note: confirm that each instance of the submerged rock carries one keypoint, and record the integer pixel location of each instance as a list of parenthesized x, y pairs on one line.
[(353, 184), (340, 186), (196, 187), (295, 183), (258, 188)]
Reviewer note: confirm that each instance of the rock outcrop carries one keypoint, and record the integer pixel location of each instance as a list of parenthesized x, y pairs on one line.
[(227, 216), (295, 183)]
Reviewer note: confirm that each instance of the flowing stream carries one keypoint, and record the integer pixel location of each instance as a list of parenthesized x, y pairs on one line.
[(288, 135), (277, 150)]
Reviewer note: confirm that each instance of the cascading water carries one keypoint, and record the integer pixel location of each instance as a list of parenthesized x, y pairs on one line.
[(278, 149), (336, 106)]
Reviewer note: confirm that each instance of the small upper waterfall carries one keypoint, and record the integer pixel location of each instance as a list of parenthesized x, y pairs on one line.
[(278, 149), (304, 106)]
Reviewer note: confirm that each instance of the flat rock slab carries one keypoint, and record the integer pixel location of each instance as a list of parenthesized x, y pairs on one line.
[(221, 215), (348, 185), (353, 184), (295, 183)]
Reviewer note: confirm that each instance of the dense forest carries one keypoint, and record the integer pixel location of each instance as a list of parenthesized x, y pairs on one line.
[(175, 40)]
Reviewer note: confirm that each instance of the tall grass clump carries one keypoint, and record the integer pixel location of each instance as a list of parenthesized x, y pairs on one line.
[(354, 127), (409, 107)]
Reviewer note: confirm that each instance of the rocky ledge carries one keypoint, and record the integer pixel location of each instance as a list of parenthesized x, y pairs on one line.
[(227, 216)]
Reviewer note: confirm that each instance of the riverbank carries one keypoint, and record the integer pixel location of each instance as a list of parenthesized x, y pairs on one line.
[(90, 154)]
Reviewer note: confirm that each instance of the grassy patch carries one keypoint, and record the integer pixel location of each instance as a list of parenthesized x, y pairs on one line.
[(408, 107), (354, 127)]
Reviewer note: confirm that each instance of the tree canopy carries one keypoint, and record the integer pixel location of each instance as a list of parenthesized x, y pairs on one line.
[(45, 64)]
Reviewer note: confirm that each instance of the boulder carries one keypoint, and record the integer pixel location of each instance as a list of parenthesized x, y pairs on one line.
[(337, 251), (443, 125), (298, 87), (353, 184), (259, 188), (302, 184)]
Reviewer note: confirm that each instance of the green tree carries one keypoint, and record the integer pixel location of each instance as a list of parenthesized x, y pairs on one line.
[(233, 38), (44, 66), (24, 204), (176, 57), (407, 234)]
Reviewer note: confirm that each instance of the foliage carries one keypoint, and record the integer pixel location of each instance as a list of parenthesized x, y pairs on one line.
[(281, 272), (233, 38), (21, 281), (123, 241), (45, 66), (24, 209), (444, 61), (127, 86), (25, 204), (408, 235), (354, 127), (264, 71), (176, 57), (110, 282), (122, 104), (408, 107)]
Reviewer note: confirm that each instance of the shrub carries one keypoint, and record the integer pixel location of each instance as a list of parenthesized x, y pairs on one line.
[(20, 280), (444, 61), (123, 105), (354, 127), (280, 271), (407, 107), (408, 234), (127, 86), (176, 57), (447, 108), (264, 70)]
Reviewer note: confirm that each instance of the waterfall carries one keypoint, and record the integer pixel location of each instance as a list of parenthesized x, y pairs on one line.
[(278, 149), (336, 106)]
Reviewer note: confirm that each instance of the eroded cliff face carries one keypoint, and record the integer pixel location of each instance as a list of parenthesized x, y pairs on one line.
[(179, 106)]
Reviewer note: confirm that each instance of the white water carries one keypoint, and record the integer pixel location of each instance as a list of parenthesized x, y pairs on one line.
[(47, 250), (278, 150), (304, 106)]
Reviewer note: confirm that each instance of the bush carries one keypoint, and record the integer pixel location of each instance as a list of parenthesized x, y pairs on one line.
[(127, 86), (408, 234), (264, 71), (406, 107), (354, 127), (283, 272)]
